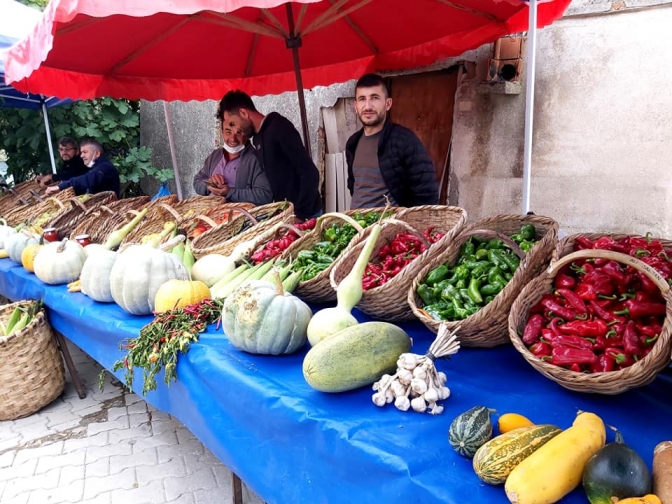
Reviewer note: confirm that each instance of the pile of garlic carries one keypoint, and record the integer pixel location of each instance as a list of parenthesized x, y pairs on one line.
[(417, 384)]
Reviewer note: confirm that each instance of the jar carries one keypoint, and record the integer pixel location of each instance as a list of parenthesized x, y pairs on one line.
[(83, 239), (50, 235)]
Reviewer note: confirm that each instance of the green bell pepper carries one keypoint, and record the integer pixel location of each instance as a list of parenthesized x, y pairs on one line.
[(437, 275)]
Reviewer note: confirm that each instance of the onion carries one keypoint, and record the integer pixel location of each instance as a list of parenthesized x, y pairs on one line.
[(211, 268)]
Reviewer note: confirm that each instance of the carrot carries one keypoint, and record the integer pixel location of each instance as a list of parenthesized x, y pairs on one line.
[(662, 471)]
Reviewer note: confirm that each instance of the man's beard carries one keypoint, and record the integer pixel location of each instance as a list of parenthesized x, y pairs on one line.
[(247, 128), (378, 119)]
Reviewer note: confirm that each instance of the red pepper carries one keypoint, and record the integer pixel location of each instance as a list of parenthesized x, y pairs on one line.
[(540, 349), (615, 272), (604, 314), (563, 281), (636, 309), (553, 325), (605, 363), (547, 335), (597, 327), (648, 285), (557, 309), (576, 368), (533, 329), (622, 360), (586, 292), (648, 342), (566, 356), (571, 342), (583, 243), (574, 301), (631, 339), (649, 330)]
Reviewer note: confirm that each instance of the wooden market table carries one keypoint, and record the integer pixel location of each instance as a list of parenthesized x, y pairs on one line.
[(292, 444)]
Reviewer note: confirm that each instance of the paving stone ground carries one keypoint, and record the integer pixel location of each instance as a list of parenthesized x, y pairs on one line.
[(109, 448)]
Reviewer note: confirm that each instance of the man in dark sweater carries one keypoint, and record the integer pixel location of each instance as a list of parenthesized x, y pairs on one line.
[(100, 176), (72, 165), (290, 171), (386, 160)]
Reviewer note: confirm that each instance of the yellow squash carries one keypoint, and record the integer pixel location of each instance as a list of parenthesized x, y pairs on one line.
[(28, 256), (556, 468), (179, 293), (647, 499), (510, 421)]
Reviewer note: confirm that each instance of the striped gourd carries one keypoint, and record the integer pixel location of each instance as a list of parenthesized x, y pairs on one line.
[(470, 430), (498, 457)]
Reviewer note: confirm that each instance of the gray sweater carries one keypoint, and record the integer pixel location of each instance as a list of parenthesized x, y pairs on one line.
[(251, 183)]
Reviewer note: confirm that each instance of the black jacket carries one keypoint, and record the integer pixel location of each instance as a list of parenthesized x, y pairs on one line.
[(290, 171), (102, 177), (72, 168), (404, 164)]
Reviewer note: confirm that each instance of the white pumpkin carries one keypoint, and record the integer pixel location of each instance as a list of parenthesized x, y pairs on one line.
[(5, 232), (14, 245), (95, 275), (138, 273), (59, 262)]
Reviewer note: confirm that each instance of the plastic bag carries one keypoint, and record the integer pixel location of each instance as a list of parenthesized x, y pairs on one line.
[(163, 191)]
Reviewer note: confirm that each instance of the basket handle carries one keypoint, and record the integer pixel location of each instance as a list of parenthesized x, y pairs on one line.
[(242, 211), (207, 220), (410, 229), (58, 202), (290, 227), (76, 203), (35, 195), (171, 210), (342, 216), (649, 271), (488, 233), (106, 209)]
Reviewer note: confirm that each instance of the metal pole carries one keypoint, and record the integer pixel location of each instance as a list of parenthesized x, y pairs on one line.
[(173, 153), (293, 43), (45, 115), (530, 69)]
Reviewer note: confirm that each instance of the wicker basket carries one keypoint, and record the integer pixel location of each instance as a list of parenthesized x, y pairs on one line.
[(12, 199), (389, 301), (223, 238), (99, 222), (212, 217), (318, 289), (31, 368), (32, 213), (66, 221), (488, 326), (614, 382), (566, 245)]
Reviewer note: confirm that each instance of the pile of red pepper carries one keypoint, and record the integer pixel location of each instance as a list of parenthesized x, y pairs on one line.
[(274, 248), (602, 316), (395, 256)]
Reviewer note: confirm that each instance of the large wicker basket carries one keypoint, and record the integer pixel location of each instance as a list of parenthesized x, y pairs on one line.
[(226, 236), (12, 199), (389, 301), (614, 382), (66, 221), (31, 368), (212, 217), (99, 222), (33, 212), (567, 244), (488, 327), (318, 289)]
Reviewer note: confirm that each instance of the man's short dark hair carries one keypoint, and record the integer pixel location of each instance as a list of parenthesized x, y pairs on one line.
[(372, 80), (232, 102), (93, 143), (67, 141)]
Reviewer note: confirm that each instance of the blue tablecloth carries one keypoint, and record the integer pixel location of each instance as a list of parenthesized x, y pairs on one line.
[(292, 444)]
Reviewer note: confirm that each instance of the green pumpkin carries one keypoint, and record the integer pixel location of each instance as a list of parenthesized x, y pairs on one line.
[(470, 430), (259, 318)]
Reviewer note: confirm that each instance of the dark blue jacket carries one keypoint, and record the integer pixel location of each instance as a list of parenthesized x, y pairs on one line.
[(102, 177)]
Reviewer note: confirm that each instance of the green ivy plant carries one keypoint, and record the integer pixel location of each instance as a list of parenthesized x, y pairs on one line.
[(114, 123)]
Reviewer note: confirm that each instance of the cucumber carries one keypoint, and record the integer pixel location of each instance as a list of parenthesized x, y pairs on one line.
[(355, 356)]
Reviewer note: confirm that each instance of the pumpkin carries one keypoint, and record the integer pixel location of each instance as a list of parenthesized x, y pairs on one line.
[(470, 430), (496, 459), (510, 421), (59, 262), (14, 244), (138, 273), (28, 256), (615, 471), (5, 232), (179, 293), (260, 318), (95, 274)]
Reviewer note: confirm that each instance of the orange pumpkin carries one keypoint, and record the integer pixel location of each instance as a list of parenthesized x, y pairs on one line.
[(28, 256)]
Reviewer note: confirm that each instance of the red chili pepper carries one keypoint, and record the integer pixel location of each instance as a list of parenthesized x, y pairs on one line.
[(636, 309), (649, 330), (553, 326), (615, 272), (622, 360), (586, 292), (571, 342), (533, 329), (631, 339), (541, 349), (575, 301), (604, 314), (591, 328), (648, 342), (547, 335), (648, 285), (583, 243), (566, 356), (563, 281), (604, 364), (557, 309)]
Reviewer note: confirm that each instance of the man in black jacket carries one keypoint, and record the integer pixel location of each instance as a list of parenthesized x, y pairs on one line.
[(290, 171), (386, 159), (72, 165)]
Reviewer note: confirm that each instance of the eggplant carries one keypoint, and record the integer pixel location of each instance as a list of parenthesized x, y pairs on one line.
[(616, 471)]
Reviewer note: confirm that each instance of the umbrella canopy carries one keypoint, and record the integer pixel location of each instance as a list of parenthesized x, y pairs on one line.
[(199, 49)]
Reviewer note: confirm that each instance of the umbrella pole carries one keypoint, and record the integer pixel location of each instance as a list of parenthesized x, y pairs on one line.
[(531, 63), (45, 115), (293, 43), (173, 153)]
